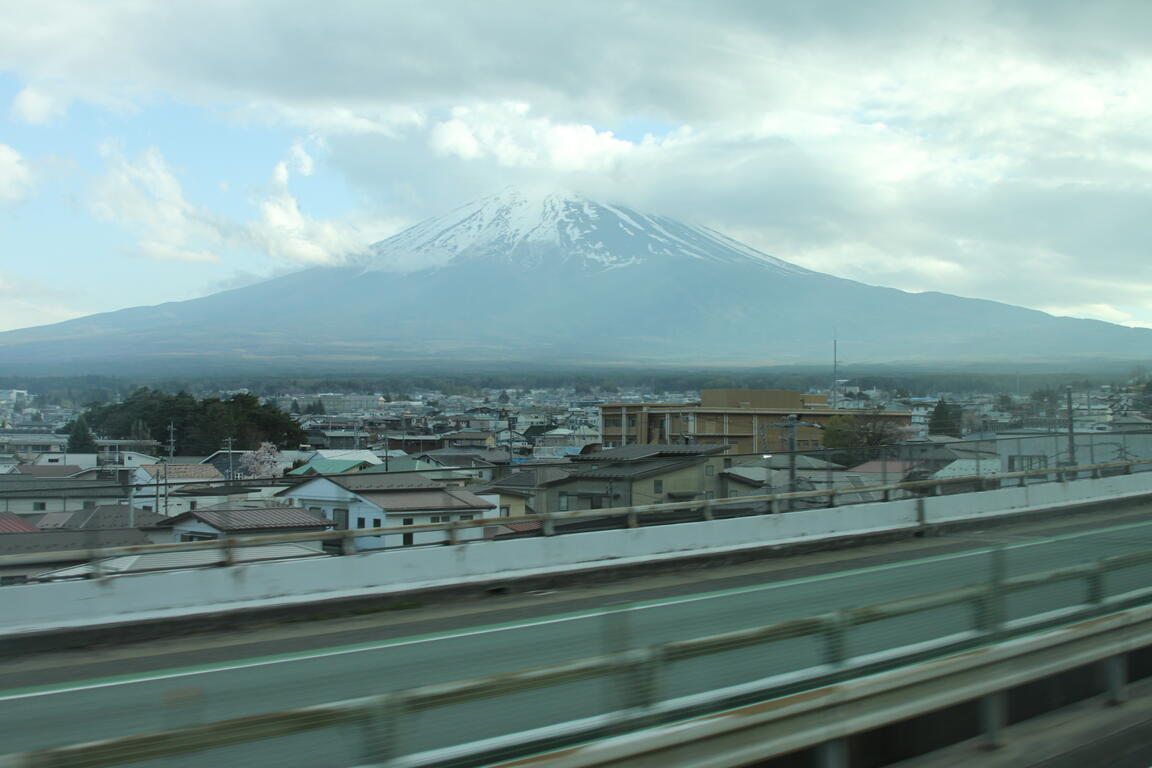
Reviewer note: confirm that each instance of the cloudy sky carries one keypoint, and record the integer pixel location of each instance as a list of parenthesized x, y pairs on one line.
[(158, 151)]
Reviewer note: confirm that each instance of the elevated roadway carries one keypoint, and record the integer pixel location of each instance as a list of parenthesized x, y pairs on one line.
[(103, 693)]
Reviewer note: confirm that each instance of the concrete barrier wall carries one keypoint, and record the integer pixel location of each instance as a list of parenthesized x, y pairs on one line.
[(966, 506), (38, 607)]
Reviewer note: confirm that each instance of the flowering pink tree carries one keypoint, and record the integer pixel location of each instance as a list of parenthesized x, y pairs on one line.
[(262, 462)]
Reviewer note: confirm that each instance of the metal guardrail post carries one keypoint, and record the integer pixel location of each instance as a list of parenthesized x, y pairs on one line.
[(833, 754), (381, 729), (836, 626), (993, 718), (95, 568), (548, 525), (992, 608), (707, 510), (348, 544), (227, 552), (453, 534), (1095, 583), (640, 681), (1116, 674)]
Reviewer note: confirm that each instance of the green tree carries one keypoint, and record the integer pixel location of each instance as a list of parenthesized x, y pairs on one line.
[(1045, 401), (80, 439), (200, 425), (945, 419)]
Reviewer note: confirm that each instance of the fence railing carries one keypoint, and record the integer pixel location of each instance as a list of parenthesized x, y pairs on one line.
[(639, 673), (552, 523)]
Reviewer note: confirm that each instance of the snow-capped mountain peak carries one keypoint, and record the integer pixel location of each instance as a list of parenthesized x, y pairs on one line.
[(533, 230)]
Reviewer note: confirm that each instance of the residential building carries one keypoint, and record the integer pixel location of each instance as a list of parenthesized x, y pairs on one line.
[(638, 475), (364, 500), (208, 524), (32, 497), (749, 420)]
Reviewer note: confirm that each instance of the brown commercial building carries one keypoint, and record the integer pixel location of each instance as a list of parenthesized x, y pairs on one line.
[(750, 420)]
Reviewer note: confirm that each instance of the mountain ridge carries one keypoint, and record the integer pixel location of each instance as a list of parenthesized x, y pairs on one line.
[(559, 278)]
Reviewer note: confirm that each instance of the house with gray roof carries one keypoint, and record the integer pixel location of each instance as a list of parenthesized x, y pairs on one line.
[(636, 475), (31, 497), (364, 500), (208, 524)]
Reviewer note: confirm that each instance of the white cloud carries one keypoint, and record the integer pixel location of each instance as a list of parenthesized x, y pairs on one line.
[(989, 148), (15, 175), (509, 134), (146, 197), (366, 119), (301, 160), (1097, 311), (24, 303), (289, 236), (36, 106)]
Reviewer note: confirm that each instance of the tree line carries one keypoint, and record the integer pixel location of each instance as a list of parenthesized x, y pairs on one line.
[(199, 426)]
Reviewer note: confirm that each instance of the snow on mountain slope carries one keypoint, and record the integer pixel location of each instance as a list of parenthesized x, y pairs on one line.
[(534, 231)]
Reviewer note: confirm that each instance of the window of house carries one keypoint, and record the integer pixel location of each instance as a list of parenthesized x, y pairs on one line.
[(197, 536), (505, 511), (376, 523), (39, 506), (1022, 463), (709, 494), (727, 463), (657, 486), (53, 461), (340, 517), (407, 521), (191, 506), (467, 517), (563, 502), (86, 504), (709, 470), (361, 523), (440, 519), (147, 507)]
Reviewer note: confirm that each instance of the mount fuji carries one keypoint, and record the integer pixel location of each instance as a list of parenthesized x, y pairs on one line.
[(553, 279)]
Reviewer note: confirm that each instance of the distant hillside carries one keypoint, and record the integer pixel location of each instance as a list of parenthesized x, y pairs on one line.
[(557, 280)]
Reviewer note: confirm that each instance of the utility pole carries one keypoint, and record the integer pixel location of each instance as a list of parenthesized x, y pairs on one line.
[(171, 441), (509, 413), (790, 424), (229, 441), (1071, 435), (156, 481), (766, 486)]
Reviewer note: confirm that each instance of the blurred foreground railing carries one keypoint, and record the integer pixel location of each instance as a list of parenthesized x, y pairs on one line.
[(1098, 618), (552, 524)]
